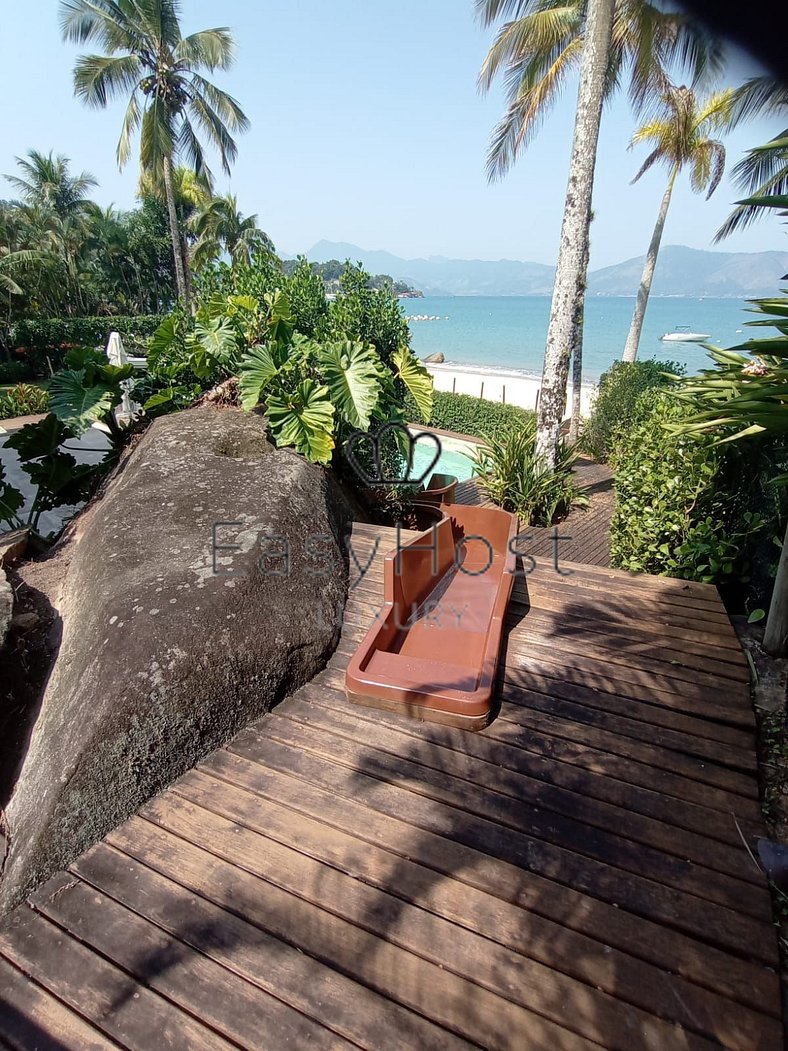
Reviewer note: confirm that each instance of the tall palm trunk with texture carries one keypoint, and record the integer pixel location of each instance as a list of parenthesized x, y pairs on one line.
[(572, 256), (577, 351), (636, 328), (177, 254)]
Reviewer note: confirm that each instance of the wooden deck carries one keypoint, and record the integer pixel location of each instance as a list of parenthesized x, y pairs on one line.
[(584, 536), (572, 877)]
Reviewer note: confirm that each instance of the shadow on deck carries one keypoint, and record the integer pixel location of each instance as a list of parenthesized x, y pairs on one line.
[(584, 535), (574, 876)]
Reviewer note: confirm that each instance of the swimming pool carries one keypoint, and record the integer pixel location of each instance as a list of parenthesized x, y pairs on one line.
[(456, 457)]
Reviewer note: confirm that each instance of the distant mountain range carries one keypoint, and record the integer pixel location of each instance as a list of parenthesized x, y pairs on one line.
[(681, 271)]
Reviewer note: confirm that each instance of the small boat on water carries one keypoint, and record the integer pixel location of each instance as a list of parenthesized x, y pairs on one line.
[(683, 334)]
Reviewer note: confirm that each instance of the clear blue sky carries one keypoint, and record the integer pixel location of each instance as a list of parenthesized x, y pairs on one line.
[(367, 127)]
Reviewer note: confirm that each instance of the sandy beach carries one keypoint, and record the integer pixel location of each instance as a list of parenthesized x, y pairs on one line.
[(512, 386)]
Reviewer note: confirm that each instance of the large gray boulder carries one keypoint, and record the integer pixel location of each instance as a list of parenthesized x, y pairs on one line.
[(162, 658)]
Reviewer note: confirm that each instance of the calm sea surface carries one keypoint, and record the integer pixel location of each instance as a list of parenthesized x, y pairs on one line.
[(509, 331)]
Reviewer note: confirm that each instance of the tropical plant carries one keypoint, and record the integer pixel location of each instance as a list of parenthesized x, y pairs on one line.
[(683, 505), (517, 480), (170, 102), (534, 51), (619, 407), (746, 396), (220, 227), (57, 478), (23, 400), (45, 181), (763, 173), (541, 43), (316, 393), (570, 279), (680, 137), (87, 391)]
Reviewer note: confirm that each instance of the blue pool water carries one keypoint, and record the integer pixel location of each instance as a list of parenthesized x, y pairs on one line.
[(455, 458)]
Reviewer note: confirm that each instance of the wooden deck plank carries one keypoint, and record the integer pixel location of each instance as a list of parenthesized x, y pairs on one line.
[(480, 761), (423, 933), (30, 1017), (168, 873), (122, 1008), (574, 876), (187, 978), (637, 983), (565, 911), (492, 826)]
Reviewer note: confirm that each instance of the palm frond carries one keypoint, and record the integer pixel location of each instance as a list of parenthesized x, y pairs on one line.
[(209, 49), (190, 147), (131, 122), (526, 111), (99, 78), (227, 108), (214, 130), (648, 163)]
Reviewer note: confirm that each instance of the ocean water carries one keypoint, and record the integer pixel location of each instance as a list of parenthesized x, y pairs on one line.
[(509, 331)]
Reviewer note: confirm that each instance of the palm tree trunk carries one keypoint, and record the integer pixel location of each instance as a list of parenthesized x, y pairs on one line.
[(187, 272), (180, 277), (636, 328), (577, 351), (775, 638), (573, 251)]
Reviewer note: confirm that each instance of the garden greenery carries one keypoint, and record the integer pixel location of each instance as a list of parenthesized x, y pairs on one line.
[(23, 400), (318, 369), (618, 406), (87, 391), (683, 503), (465, 414), (513, 477), (41, 344)]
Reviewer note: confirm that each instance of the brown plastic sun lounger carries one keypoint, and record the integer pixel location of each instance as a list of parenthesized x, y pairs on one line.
[(433, 650)]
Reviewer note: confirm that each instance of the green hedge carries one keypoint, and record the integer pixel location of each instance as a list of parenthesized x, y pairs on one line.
[(468, 415), (34, 340), (684, 505), (618, 406)]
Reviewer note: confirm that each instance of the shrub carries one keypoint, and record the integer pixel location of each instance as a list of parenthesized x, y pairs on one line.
[(619, 407), (14, 372), (512, 477), (39, 342), (683, 504), (468, 415), (23, 400)]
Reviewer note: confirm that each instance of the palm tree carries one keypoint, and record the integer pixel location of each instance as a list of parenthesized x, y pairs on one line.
[(570, 278), (221, 227), (680, 136), (46, 182), (169, 100), (191, 192), (543, 42), (763, 172)]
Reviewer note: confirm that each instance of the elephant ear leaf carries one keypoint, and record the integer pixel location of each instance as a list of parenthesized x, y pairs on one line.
[(350, 370), (77, 405), (304, 419), (258, 368), (39, 439), (11, 499), (416, 378)]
